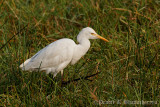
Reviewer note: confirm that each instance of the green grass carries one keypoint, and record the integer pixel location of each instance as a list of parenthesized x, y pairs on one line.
[(129, 63)]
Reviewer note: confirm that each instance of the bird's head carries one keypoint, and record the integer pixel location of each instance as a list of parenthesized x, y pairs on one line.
[(89, 33)]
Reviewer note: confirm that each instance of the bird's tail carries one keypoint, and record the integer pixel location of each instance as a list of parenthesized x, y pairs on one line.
[(22, 66)]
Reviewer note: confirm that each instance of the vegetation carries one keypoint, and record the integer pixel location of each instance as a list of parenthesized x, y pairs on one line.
[(129, 64)]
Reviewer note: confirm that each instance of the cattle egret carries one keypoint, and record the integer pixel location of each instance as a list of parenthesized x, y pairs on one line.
[(57, 55)]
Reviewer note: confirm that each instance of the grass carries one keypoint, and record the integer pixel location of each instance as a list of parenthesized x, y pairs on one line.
[(129, 64)]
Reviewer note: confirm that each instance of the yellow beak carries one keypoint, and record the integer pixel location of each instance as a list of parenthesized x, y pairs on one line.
[(100, 37)]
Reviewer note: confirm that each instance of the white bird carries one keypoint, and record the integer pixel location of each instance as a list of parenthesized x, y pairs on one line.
[(57, 55)]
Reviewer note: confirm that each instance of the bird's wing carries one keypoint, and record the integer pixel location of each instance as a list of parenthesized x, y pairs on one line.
[(52, 55)]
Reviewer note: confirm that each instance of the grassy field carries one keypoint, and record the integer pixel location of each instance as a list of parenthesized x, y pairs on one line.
[(129, 64)]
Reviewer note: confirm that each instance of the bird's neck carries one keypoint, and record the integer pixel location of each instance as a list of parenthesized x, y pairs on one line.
[(80, 50), (84, 45)]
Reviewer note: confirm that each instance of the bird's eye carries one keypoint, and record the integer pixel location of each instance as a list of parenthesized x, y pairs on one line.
[(92, 33)]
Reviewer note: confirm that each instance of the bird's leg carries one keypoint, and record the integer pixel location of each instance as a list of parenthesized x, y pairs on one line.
[(62, 76), (54, 74)]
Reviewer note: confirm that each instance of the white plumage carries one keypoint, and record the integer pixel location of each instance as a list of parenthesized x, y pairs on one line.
[(57, 55)]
